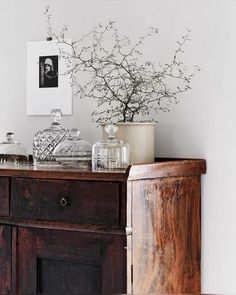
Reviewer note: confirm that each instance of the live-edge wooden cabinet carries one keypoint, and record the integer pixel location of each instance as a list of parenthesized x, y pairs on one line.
[(65, 231)]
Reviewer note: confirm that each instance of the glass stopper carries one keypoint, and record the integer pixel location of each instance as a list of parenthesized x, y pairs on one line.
[(74, 133), (111, 129), (10, 137), (56, 115)]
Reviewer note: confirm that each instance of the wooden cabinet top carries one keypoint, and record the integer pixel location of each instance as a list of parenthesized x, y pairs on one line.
[(161, 168)]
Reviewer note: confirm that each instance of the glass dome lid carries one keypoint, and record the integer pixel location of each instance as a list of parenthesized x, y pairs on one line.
[(73, 151), (12, 151), (112, 153)]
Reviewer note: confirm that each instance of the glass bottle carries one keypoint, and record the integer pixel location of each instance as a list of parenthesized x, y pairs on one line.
[(12, 151), (110, 154), (74, 152), (46, 140)]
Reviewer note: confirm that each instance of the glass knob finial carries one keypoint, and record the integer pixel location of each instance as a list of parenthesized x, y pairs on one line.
[(10, 137), (111, 129), (74, 133), (56, 115)]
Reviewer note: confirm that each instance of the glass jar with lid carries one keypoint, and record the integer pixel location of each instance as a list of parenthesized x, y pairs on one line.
[(110, 154), (46, 140), (74, 152), (12, 151)]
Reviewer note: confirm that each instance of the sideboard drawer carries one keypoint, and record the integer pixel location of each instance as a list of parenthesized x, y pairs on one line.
[(72, 201), (4, 196)]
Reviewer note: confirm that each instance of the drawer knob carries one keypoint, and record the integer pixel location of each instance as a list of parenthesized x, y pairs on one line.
[(63, 202)]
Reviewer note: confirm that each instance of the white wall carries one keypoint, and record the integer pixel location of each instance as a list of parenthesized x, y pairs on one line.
[(202, 126)]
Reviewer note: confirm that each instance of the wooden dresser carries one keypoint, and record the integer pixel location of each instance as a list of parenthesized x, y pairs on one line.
[(65, 231)]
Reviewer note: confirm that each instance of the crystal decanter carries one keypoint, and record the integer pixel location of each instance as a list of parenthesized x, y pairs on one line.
[(46, 140)]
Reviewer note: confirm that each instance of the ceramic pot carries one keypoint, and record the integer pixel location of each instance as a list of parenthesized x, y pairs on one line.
[(140, 137)]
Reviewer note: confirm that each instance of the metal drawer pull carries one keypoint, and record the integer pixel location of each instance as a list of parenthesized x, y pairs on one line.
[(63, 202)]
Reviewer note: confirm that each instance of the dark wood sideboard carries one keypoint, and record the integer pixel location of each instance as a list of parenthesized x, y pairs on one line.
[(64, 231)]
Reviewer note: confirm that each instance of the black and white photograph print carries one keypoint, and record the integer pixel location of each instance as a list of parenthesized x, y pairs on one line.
[(48, 71), (48, 85)]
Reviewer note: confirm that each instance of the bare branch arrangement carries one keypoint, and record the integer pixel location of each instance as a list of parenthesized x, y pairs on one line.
[(126, 88)]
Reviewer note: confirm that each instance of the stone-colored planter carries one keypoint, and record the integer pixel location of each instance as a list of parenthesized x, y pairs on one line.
[(141, 138)]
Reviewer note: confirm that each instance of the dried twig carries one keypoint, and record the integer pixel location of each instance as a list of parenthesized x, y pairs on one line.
[(125, 88)]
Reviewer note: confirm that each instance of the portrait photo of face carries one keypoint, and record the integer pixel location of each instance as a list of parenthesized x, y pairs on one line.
[(47, 85), (48, 71)]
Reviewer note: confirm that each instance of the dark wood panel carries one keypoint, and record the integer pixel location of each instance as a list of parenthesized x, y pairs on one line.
[(166, 255), (26, 274), (4, 196), (72, 201), (68, 277), (5, 259), (14, 258), (62, 262), (84, 248), (114, 265)]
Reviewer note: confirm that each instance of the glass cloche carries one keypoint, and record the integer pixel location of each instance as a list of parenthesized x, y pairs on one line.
[(110, 154), (74, 152), (46, 140), (12, 151)]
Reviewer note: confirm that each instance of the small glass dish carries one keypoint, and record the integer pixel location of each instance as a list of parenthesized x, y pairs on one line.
[(74, 152), (12, 152)]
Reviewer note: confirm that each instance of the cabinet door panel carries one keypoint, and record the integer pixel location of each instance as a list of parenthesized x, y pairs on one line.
[(61, 262), (60, 276), (5, 259), (53, 244)]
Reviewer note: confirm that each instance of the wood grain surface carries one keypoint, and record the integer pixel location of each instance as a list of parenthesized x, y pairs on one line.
[(166, 235)]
